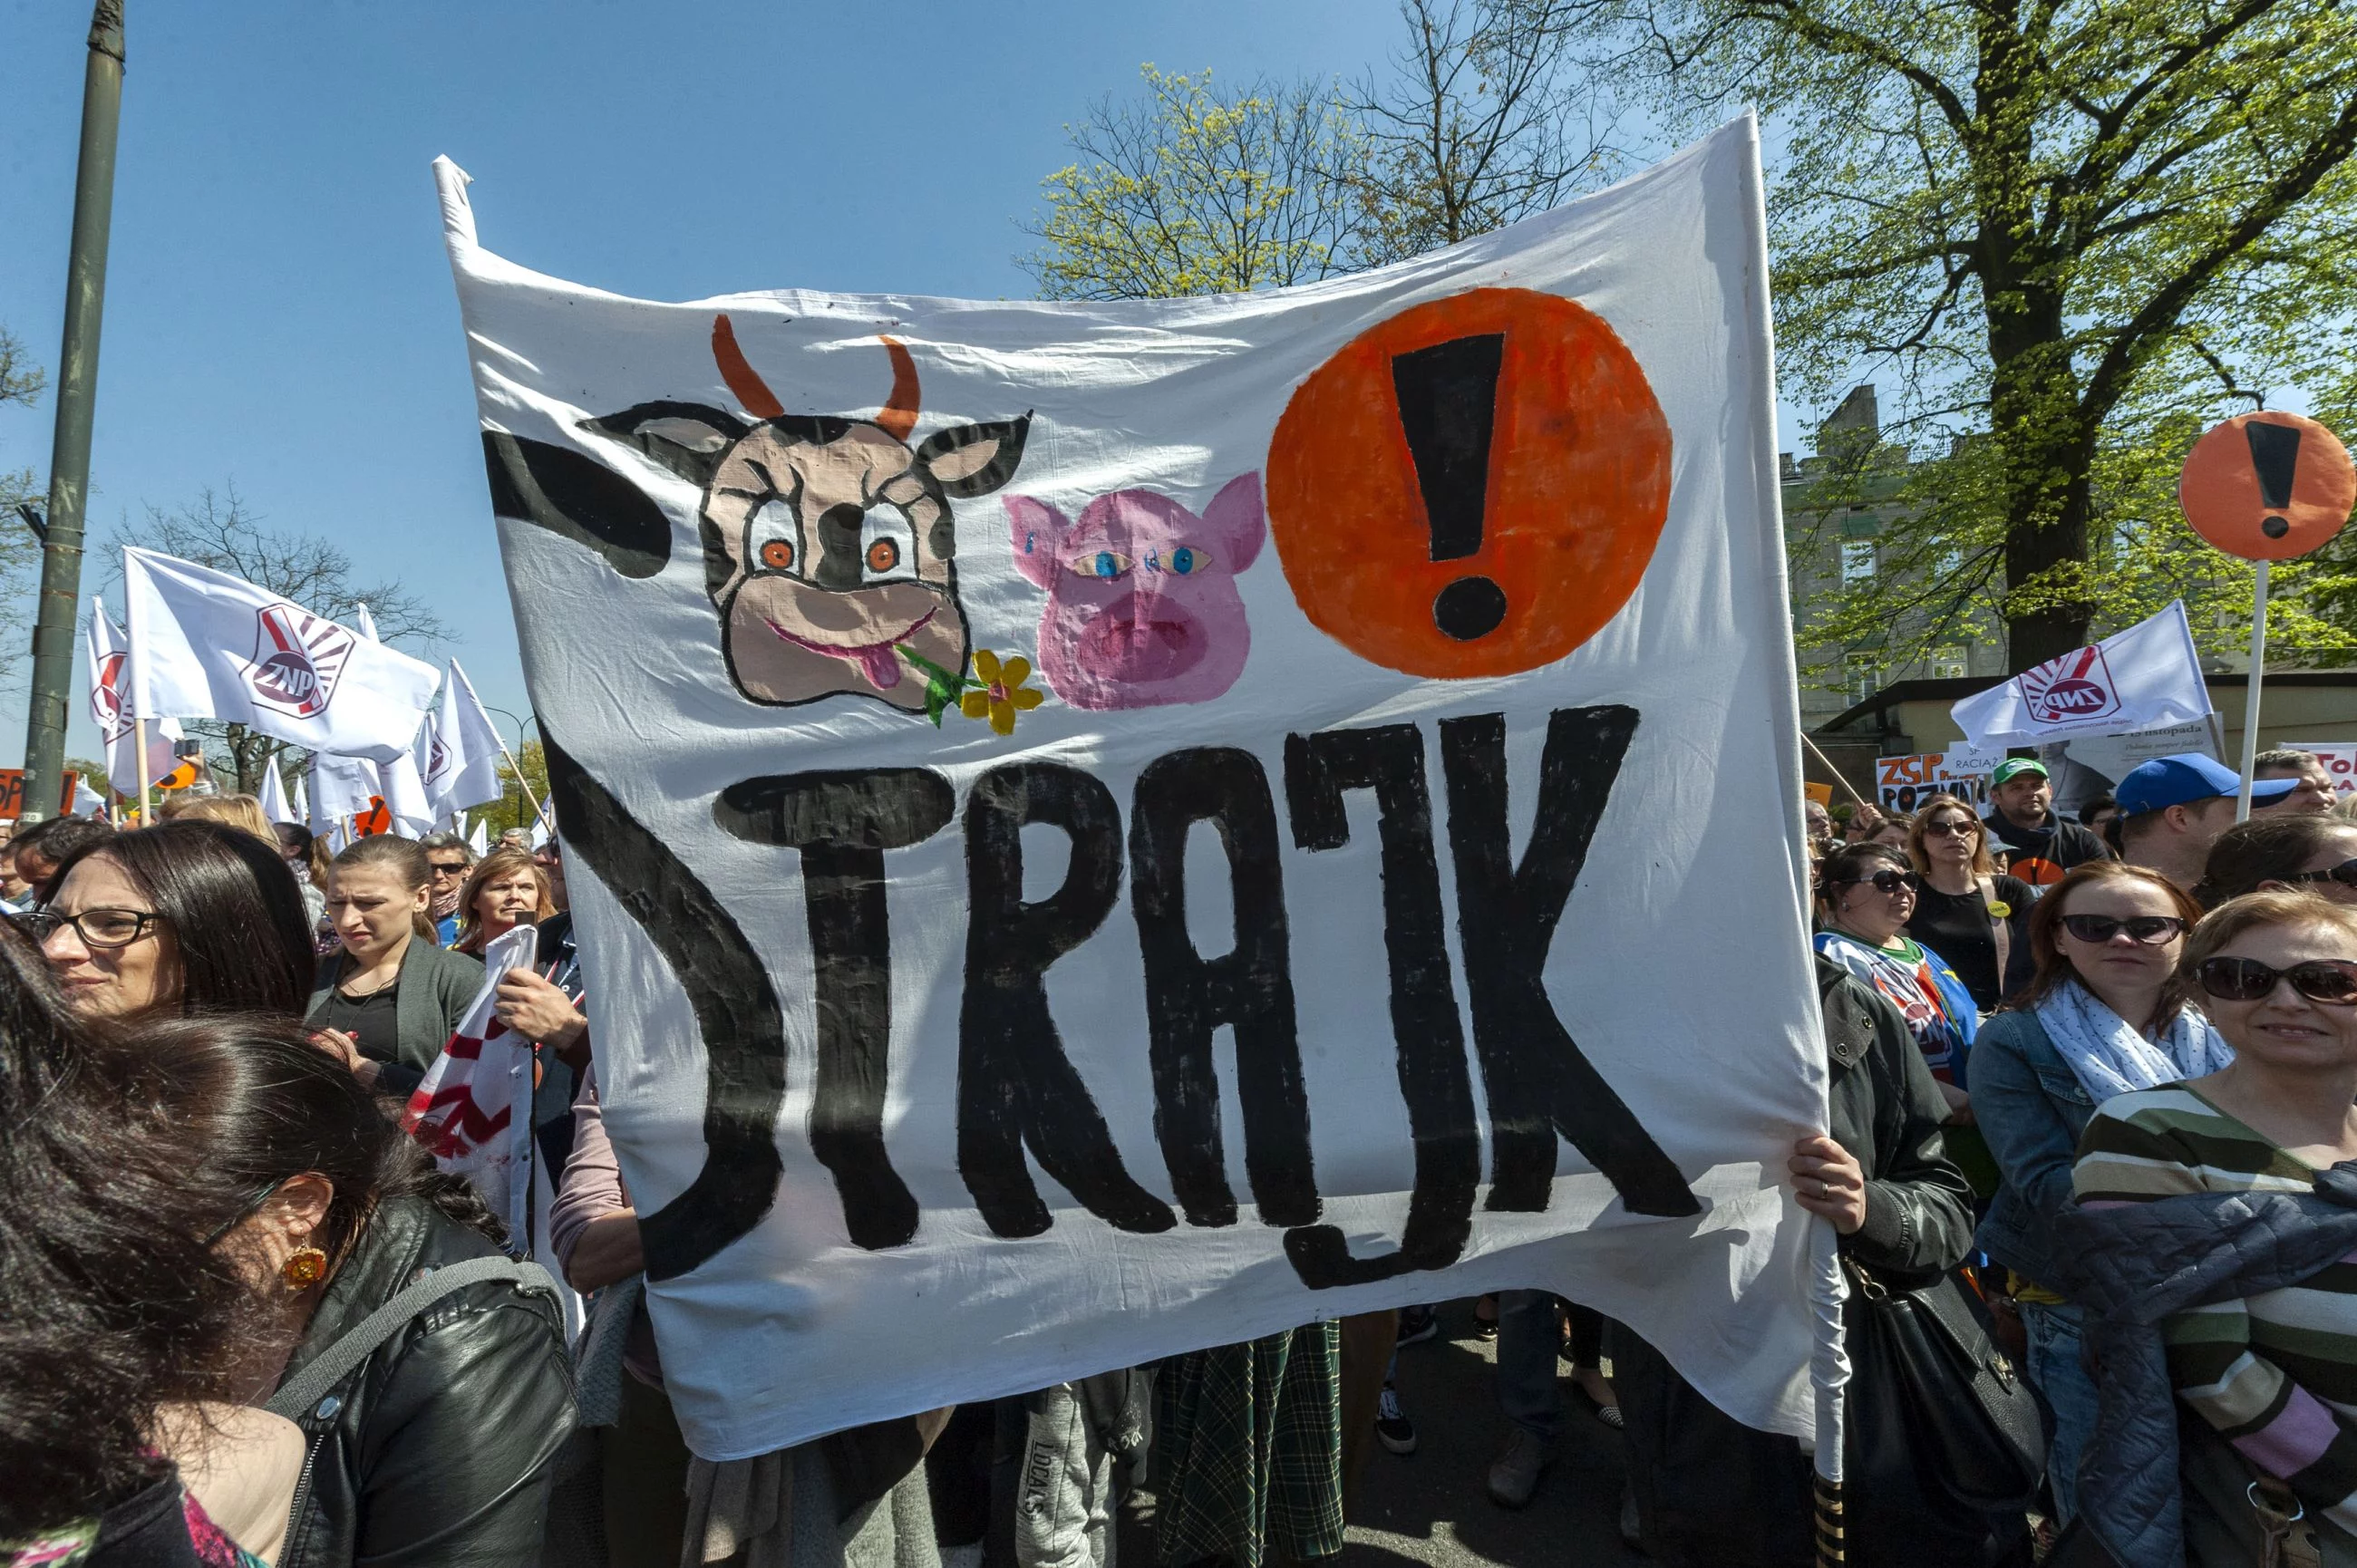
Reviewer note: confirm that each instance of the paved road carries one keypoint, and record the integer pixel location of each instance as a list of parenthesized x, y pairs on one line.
[(1432, 1507)]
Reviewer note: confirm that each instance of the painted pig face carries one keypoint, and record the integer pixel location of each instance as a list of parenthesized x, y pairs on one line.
[(1141, 602)]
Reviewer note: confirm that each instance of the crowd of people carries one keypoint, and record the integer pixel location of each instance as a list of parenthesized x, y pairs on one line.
[(2090, 1087)]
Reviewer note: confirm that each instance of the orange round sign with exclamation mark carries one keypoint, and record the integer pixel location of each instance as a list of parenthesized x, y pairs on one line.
[(2268, 486), (1471, 487)]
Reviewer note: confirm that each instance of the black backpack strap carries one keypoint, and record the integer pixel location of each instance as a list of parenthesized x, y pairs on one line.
[(339, 1360)]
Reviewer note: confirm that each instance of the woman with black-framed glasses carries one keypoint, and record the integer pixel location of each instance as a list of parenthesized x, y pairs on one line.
[(2216, 1217), (1866, 894), (2101, 1015), (190, 916)]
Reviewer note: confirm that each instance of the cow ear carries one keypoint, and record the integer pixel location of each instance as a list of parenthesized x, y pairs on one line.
[(974, 460), (577, 498), (1235, 523), (1038, 532), (688, 438)]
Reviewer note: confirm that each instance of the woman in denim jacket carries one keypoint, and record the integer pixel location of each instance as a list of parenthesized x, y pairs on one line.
[(2102, 1016)]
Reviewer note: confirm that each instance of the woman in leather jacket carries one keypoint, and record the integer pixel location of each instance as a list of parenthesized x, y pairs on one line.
[(1712, 1491)]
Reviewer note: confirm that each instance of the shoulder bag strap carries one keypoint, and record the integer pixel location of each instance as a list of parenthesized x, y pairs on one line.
[(340, 1359), (2000, 929)]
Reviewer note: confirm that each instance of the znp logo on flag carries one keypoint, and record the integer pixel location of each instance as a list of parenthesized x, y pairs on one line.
[(437, 756), (2074, 687), (296, 658)]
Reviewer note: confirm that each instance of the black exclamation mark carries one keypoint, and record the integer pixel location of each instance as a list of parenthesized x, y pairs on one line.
[(1448, 402), (2275, 457)]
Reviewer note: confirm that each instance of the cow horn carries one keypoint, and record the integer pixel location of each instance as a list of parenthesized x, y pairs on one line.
[(758, 400), (898, 416)]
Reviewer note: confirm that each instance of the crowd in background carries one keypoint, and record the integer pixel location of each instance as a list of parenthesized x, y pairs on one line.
[(2090, 1085)]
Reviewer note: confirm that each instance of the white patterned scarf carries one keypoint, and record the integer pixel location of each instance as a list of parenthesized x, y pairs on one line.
[(2110, 1057)]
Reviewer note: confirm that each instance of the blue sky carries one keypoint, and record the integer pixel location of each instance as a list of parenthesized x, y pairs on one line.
[(279, 315)]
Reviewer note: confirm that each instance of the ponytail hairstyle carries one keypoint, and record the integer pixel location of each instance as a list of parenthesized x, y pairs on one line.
[(402, 859)]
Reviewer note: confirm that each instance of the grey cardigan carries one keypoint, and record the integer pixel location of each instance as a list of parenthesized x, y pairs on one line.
[(437, 985)]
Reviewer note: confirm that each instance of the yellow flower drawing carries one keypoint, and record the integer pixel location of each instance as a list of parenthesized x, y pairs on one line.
[(1003, 694)]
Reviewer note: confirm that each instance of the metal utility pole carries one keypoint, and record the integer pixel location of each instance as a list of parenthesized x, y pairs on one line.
[(53, 627)]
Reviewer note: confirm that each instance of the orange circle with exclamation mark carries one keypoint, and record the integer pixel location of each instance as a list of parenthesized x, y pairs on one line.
[(1471, 487), (2267, 485)]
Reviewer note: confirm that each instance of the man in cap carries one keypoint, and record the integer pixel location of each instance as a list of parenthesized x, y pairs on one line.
[(2022, 819), (2172, 810)]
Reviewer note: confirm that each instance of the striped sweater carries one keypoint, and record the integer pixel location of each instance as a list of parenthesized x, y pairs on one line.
[(2275, 1373)]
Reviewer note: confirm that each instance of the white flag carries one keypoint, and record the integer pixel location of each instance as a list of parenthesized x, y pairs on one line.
[(86, 802), (473, 1108), (301, 803), (110, 709), (399, 779), (208, 645), (2144, 678), (458, 749), (479, 841), (342, 787), (275, 804)]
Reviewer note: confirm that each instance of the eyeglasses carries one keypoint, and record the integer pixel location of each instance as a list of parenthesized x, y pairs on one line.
[(2345, 874), (1883, 881), (96, 927), (2333, 981), (446, 868), (1952, 827), (2147, 930)]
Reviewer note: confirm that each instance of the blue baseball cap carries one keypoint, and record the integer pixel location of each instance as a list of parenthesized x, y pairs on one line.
[(2184, 779)]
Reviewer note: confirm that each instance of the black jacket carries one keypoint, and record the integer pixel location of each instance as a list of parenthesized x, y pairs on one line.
[(1712, 1492), (438, 1450), (2040, 855)]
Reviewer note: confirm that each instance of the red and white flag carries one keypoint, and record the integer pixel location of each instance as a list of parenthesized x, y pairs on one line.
[(205, 645), (110, 708), (2145, 678), (473, 1109)]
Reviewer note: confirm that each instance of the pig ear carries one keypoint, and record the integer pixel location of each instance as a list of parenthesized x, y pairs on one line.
[(974, 460), (1234, 522), (1039, 530), (685, 437)]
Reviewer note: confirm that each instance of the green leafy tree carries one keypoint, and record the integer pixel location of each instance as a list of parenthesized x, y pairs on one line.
[(512, 809), (2072, 230), (1200, 190)]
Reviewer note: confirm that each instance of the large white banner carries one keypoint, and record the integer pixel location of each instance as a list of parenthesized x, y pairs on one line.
[(1102, 830)]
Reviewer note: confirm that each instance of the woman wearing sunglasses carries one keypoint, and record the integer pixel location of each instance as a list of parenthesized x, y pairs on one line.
[(2315, 851), (1966, 910), (2100, 1016), (1866, 894), (2211, 1208)]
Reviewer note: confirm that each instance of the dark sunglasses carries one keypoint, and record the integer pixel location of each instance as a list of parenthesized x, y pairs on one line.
[(2333, 981), (2344, 874), (2149, 929), (1952, 827), (1883, 881)]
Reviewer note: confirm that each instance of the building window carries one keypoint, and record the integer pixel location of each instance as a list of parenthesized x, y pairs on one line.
[(1858, 560), (1861, 676), (1950, 663)]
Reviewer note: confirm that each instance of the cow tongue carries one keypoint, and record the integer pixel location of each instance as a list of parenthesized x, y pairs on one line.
[(881, 662)]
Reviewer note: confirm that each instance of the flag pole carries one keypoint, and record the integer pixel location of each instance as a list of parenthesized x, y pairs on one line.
[(522, 782), (2251, 691), (1836, 772), (139, 742)]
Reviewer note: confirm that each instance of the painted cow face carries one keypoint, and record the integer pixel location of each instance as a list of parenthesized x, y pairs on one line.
[(829, 548), (1142, 607)]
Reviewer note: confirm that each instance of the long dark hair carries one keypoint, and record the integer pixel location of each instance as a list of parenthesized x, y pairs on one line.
[(122, 1159), (2265, 849), (110, 1304), (234, 909)]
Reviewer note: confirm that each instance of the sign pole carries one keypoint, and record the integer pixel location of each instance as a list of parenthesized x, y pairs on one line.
[(2251, 693), (139, 740)]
